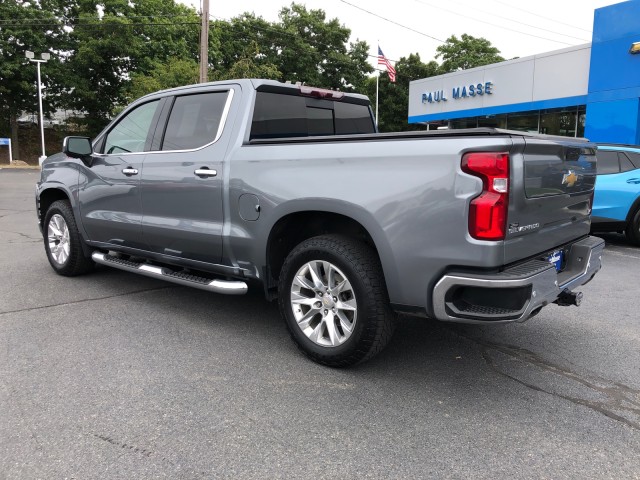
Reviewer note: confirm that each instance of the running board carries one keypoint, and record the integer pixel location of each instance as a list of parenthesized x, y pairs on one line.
[(227, 287)]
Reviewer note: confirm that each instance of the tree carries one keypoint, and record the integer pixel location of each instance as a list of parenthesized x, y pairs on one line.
[(394, 97), (174, 72), (314, 51), (121, 43), (27, 26), (302, 46), (468, 52)]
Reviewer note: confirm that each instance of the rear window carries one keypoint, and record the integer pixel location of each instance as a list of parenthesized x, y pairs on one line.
[(284, 116)]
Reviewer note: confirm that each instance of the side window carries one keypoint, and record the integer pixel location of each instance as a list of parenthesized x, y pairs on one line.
[(607, 162), (625, 163), (634, 157), (130, 133), (194, 120)]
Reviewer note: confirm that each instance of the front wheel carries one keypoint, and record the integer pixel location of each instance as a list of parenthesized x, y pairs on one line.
[(334, 300), (632, 232), (62, 241)]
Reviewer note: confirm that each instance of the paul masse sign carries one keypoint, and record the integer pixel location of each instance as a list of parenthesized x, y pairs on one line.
[(465, 91)]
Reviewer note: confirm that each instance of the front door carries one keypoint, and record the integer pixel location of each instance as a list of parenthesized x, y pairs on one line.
[(182, 183), (109, 193)]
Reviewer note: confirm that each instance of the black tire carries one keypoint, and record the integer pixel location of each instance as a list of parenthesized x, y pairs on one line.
[(632, 232), (374, 322), (75, 263)]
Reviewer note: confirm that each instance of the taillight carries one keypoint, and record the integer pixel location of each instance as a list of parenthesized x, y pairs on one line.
[(488, 211), (321, 93)]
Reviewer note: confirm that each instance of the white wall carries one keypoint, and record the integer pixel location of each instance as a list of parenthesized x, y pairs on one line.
[(552, 75)]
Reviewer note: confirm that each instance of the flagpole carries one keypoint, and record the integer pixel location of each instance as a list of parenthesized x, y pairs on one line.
[(377, 83)]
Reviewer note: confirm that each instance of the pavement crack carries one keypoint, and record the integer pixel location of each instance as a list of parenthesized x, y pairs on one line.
[(39, 239), (613, 399), (42, 307)]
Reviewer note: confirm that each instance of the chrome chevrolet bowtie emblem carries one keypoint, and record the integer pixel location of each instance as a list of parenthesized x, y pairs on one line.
[(570, 178)]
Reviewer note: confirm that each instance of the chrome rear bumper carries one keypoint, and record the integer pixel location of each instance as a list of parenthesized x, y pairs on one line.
[(519, 291)]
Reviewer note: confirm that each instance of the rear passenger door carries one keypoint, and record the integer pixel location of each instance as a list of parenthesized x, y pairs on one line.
[(182, 177), (617, 186)]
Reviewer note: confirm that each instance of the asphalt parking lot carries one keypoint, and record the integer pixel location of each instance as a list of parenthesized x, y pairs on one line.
[(113, 375)]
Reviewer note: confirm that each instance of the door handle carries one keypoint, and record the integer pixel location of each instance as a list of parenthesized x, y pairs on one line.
[(634, 180), (130, 171), (205, 172)]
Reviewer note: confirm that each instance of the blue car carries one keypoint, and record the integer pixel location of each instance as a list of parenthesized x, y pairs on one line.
[(616, 204)]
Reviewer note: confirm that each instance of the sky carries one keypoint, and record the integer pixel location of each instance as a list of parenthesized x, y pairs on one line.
[(516, 28)]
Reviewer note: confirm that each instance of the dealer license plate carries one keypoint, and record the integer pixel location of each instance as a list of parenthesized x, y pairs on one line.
[(556, 259)]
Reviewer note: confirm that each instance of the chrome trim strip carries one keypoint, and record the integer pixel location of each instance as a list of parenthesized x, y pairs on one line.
[(223, 122), (227, 287)]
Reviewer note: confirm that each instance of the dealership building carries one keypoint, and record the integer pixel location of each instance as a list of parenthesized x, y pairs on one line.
[(590, 90)]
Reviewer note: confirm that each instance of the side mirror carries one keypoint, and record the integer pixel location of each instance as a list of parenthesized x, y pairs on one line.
[(77, 147)]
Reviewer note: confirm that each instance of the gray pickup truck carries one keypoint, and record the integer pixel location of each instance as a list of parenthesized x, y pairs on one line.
[(224, 184)]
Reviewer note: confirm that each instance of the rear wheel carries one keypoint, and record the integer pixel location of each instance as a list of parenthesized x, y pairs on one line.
[(334, 300), (632, 231), (62, 241)]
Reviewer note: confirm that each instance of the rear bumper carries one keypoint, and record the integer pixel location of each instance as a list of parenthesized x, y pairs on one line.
[(519, 291)]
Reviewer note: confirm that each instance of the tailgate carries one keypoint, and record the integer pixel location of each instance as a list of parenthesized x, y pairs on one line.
[(551, 196)]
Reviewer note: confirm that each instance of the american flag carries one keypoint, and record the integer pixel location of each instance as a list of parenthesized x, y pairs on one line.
[(382, 60)]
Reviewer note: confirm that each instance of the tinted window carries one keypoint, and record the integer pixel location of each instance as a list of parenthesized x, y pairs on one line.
[(607, 162), (625, 163), (194, 120), (130, 133), (634, 157), (281, 116), (278, 116), (351, 118), (319, 121)]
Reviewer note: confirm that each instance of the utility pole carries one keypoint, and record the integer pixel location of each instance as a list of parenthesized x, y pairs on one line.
[(204, 42)]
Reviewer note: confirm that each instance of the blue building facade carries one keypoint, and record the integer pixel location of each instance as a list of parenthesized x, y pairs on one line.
[(613, 100), (590, 90)]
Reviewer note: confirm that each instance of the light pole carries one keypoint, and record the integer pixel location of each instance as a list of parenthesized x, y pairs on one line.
[(44, 57)]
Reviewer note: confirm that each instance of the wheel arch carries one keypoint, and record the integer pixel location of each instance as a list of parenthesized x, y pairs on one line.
[(633, 209), (296, 225), (51, 194), (46, 199)]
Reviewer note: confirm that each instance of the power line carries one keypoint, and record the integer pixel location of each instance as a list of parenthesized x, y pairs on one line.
[(103, 24), (492, 24), (542, 16), (533, 26), (65, 19), (391, 21)]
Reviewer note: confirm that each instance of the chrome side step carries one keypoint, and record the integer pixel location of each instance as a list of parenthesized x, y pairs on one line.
[(227, 287)]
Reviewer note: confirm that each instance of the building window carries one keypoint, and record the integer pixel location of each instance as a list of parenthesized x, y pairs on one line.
[(566, 121), (559, 121), (464, 123), (494, 121), (582, 119)]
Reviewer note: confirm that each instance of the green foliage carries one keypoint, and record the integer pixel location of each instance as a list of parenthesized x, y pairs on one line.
[(467, 52), (105, 54), (394, 97), (18, 90), (302, 46), (314, 51), (172, 73)]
